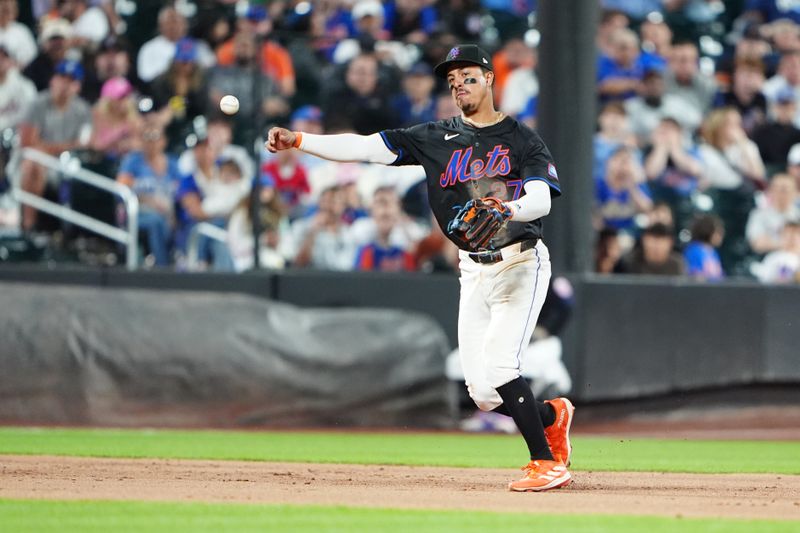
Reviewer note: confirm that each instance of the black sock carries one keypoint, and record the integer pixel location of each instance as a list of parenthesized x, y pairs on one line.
[(519, 401), (546, 412)]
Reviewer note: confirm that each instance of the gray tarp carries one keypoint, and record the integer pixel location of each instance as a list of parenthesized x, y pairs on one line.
[(138, 357)]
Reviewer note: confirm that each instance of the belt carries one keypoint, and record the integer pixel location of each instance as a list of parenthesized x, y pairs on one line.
[(488, 258)]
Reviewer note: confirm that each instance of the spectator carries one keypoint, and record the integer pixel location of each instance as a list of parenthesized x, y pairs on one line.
[(156, 55), (110, 61), (405, 233), (700, 255), (15, 36), (370, 35), (17, 93), (684, 79), (309, 119), (765, 223), (514, 55), (788, 77), (620, 73), (213, 202), (410, 21), (622, 194), (776, 137), (322, 238), (762, 11), (783, 264), (416, 103), (116, 121), (521, 85), (656, 42), (745, 94), (89, 24), (276, 63), (182, 92), (614, 132), (290, 180), (654, 255), (153, 175), (731, 160), (380, 254), (237, 79), (274, 228), (361, 102), (58, 120), (611, 20), (651, 105), (53, 42), (673, 168), (793, 164), (209, 142), (608, 251)]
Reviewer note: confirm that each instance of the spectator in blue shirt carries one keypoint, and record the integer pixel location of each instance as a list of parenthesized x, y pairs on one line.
[(622, 194), (620, 74), (702, 259), (153, 175)]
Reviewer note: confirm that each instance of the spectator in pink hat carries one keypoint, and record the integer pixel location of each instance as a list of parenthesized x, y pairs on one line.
[(116, 120)]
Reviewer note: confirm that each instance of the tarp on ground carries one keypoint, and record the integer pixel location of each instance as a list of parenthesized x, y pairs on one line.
[(74, 355)]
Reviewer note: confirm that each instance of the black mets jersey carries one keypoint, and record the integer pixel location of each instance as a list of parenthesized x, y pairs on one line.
[(463, 162)]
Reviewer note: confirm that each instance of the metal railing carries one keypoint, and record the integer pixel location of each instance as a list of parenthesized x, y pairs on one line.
[(70, 167), (193, 246)]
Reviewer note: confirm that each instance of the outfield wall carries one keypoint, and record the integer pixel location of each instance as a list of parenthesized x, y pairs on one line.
[(628, 337)]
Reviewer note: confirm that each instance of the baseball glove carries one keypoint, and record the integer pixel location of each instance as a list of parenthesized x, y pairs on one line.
[(478, 221)]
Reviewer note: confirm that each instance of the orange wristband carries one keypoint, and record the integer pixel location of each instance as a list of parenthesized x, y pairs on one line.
[(298, 139)]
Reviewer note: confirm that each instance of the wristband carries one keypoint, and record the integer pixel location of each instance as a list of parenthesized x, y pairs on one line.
[(298, 139)]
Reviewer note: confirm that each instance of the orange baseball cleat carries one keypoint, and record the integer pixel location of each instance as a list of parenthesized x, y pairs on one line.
[(557, 433), (542, 475)]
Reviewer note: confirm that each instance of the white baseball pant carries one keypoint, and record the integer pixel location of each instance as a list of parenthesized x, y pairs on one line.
[(498, 309)]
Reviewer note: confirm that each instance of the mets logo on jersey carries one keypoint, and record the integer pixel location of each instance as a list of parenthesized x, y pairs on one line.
[(460, 169)]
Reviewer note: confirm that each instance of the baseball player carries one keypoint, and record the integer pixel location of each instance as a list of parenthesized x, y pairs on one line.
[(490, 181)]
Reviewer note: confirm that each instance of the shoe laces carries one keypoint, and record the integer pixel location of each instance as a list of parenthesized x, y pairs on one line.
[(541, 466)]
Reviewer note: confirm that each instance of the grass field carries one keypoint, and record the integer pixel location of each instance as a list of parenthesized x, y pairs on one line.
[(137, 517), (431, 449)]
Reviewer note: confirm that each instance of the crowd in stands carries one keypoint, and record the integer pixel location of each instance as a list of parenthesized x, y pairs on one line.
[(696, 161)]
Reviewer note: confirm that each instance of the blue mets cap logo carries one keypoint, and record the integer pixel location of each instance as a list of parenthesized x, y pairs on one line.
[(454, 53)]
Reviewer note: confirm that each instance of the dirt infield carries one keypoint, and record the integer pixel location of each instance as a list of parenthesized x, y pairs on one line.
[(764, 496)]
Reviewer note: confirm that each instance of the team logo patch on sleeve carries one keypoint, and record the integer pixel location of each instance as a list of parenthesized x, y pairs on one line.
[(551, 170)]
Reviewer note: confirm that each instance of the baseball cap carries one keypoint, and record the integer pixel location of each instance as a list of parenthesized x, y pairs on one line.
[(255, 13), (420, 69), (307, 112), (55, 28), (70, 68), (116, 88), (185, 50), (793, 158), (367, 8), (464, 53), (112, 44)]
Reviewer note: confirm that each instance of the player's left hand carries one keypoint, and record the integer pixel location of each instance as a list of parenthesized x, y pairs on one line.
[(478, 221)]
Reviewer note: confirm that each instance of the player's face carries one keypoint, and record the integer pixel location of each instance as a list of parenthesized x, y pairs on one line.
[(469, 86)]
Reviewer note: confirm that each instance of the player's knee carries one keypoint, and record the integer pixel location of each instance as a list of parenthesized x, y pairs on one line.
[(499, 376), (486, 398)]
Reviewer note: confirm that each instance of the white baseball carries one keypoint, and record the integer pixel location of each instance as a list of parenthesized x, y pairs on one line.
[(229, 104)]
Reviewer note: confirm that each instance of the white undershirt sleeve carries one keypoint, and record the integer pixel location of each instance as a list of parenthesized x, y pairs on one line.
[(347, 147), (535, 203)]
